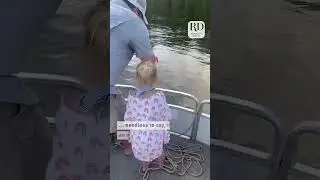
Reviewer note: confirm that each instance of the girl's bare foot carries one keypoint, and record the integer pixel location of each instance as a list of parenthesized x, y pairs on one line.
[(160, 160), (127, 147), (145, 166), (128, 151)]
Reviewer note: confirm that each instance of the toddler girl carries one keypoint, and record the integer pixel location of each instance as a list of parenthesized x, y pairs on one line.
[(147, 104), (81, 147)]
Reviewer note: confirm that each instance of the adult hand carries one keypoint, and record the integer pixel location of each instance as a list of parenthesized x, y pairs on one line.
[(152, 58)]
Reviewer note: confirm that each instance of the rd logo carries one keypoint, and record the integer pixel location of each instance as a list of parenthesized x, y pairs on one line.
[(196, 29)]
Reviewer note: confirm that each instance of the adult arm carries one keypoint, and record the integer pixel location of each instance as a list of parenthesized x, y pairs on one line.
[(140, 41)]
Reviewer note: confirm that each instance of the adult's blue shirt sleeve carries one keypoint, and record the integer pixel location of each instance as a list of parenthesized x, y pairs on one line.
[(140, 40)]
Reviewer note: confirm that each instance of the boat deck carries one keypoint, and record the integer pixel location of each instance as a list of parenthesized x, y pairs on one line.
[(233, 165), (124, 167), (227, 162), (230, 165)]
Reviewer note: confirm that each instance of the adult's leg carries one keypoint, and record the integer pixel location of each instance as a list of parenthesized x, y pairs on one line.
[(145, 165), (113, 119), (118, 108), (127, 147), (120, 104), (160, 160)]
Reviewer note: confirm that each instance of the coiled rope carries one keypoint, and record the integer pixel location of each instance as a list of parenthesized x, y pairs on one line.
[(178, 160)]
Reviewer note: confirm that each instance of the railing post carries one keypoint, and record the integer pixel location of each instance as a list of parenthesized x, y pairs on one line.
[(263, 113), (291, 145), (196, 120)]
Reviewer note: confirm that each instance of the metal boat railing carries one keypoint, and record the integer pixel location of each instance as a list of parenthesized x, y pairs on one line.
[(69, 81), (183, 94), (196, 110), (285, 145), (199, 112), (289, 151), (53, 78), (280, 159), (255, 110)]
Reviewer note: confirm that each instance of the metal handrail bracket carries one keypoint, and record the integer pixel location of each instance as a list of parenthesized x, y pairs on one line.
[(190, 96), (196, 109), (290, 149), (197, 119)]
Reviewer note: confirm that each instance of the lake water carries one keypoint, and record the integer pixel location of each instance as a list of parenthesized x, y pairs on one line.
[(268, 52), (263, 51), (184, 63)]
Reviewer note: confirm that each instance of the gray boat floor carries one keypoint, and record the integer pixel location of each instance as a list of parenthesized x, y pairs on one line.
[(225, 164), (124, 167)]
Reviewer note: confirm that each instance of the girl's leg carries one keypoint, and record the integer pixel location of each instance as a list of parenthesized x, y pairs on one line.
[(113, 118), (145, 165), (160, 160), (127, 147), (113, 137)]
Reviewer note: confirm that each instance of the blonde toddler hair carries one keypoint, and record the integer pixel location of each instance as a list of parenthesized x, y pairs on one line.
[(146, 73), (96, 61)]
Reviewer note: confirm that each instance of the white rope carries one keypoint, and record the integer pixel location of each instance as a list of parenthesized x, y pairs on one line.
[(179, 159)]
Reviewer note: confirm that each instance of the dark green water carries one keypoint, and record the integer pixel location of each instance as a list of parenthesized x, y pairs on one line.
[(184, 63), (268, 52)]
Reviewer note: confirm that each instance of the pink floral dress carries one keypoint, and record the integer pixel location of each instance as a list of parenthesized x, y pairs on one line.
[(80, 147), (147, 145)]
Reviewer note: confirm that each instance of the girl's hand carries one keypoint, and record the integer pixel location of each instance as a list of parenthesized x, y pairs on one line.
[(156, 59)]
